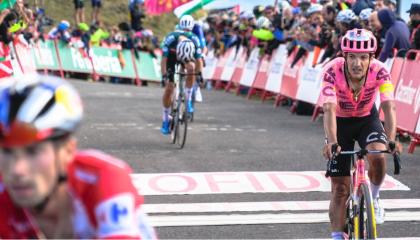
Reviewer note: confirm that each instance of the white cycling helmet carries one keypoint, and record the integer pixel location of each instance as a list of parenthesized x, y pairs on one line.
[(314, 8), (263, 22), (346, 16), (365, 14), (185, 51), (35, 108), (186, 22), (246, 15)]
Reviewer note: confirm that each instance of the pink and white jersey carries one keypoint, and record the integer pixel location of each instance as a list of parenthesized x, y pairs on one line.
[(105, 202), (335, 88)]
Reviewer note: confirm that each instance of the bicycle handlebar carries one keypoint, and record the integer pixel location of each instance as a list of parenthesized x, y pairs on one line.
[(363, 152)]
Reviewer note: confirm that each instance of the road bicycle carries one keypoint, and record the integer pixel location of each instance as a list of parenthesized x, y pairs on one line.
[(360, 215)]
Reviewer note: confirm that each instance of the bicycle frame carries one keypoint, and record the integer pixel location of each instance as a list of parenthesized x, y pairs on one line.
[(358, 177)]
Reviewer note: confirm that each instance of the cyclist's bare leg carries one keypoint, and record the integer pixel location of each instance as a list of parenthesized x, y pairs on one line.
[(377, 167), (95, 14), (190, 69), (340, 188), (167, 95)]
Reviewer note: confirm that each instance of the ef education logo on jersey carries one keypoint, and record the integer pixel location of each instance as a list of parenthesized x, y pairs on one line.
[(116, 214)]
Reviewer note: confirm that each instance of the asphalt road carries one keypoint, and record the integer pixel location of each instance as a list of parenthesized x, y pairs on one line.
[(229, 134)]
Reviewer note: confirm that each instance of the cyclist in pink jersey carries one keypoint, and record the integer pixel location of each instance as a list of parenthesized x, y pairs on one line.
[(48, 188), (350, 86)]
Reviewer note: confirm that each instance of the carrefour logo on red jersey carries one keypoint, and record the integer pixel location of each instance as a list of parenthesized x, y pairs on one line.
[(116, 215)]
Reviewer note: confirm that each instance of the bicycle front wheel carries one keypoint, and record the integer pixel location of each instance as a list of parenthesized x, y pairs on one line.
[(365, 224)]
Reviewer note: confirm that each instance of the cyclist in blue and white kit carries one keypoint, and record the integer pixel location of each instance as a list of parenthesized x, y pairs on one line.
[(181, 46)]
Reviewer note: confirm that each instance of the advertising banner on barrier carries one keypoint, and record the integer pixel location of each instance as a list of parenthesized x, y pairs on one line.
[(407, 96), (229, 69), (45, 55), (149, 67), (6, 68), (251, 68), (275, 72), (73, 60), (107, 63), (211, 62), (25, 57), (289, 84), (309, 81)]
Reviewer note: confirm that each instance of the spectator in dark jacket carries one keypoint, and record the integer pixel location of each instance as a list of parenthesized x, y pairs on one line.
[(137, 14), (397, 34), (415, 25), (359, 5)]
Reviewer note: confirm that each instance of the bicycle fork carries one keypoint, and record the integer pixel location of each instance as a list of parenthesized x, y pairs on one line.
[(359, 178)]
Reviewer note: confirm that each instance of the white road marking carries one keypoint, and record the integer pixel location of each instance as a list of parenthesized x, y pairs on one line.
[(217, 207), (243, 219), (241, 182)]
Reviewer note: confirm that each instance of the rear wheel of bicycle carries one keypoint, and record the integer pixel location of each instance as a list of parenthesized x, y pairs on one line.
[(366, 214), (182, 124)]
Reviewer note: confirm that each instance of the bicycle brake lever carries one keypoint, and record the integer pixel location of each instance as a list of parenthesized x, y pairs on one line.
[(397, 163)]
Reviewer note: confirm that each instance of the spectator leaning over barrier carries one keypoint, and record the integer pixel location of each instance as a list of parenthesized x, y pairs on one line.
[(8, 18), (415, 25), (98, 34), (79, 11), (391, 5), (328, 29), (379, 4), (345, 20), (83, 34), (264, 33), (376, 28), (397, 34), (275, 17), (364, 17), (61, 32)]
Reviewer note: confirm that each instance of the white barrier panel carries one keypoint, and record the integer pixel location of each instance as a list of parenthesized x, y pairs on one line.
[(310, 80), (251, 68), (230, 66), (211, 63), (418, 127), (275, 72), (16, 69)]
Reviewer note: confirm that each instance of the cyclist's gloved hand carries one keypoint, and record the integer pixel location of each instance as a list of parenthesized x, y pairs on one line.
[(394, 147), (330, 150)]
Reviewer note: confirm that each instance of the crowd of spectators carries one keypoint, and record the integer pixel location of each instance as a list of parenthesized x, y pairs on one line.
[(306, 27), (313, 25), (33, 24)]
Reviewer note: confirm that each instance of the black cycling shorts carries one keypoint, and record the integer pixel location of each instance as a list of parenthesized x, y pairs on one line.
[(96, 3), (171, 66), (364, 130), (78, 4)]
